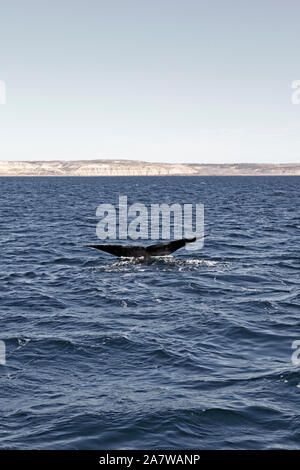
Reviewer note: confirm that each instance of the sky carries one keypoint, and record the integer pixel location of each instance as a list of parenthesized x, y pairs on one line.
[(187, 81)]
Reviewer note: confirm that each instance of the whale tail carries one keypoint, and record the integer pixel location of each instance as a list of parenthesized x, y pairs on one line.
[(135, 251)]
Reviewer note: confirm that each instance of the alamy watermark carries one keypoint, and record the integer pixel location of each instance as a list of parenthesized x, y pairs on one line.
[(295, 98), (2, 353), (295, 356), (161, 221), (2, 92)]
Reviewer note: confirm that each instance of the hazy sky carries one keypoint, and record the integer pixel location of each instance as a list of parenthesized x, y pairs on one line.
[(160, 80)]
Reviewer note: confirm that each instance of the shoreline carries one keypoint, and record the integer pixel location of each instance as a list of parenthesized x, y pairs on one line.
[(140, 168)]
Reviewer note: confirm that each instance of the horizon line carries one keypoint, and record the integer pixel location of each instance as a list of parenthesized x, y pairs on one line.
[(146, 161)]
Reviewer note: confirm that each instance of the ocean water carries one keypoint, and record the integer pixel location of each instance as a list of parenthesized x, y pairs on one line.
[(190, 352)]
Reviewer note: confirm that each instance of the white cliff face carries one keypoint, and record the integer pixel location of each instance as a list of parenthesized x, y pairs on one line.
[(137, 168), (92, 168)]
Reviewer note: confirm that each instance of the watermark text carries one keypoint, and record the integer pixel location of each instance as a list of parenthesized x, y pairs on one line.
[(295, 356), (295, 98), (2, 353), (161, 221)]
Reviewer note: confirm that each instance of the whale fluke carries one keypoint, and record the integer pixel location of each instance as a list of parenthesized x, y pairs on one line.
[(135, 251)]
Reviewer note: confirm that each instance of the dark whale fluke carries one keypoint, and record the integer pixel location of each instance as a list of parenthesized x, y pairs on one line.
[(135, 251)]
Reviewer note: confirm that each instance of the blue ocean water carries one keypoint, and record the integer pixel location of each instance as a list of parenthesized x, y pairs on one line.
[(190, 352)]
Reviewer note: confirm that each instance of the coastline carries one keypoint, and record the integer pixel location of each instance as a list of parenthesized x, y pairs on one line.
[(141, 168)]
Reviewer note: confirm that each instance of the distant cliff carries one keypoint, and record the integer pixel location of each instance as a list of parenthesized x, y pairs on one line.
[(138, 168)]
